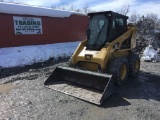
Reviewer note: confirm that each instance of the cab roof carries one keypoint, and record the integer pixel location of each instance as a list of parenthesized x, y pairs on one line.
[(108, 13)]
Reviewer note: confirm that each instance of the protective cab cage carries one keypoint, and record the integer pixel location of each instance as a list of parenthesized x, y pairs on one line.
[(104, 27)]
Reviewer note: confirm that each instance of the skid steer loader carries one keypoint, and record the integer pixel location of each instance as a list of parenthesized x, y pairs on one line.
[(101, 62)]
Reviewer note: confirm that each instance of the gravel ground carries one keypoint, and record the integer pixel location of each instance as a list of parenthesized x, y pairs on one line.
[(28, 99)]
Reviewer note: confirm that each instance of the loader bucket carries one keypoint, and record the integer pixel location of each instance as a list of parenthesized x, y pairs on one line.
[(86, 85)]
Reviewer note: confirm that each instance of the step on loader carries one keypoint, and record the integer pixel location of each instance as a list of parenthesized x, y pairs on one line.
[(101, 62)]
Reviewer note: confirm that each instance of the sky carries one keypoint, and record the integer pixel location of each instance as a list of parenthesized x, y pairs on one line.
[(138, 6)]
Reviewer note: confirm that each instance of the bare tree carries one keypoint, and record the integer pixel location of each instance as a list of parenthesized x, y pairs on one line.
[(53, 6), (152, 16), (18, 2), (78, 10), (124, 10), (134, 17), (86, 9), (146, 32), (64, 7), (12, 1), (72, 7)]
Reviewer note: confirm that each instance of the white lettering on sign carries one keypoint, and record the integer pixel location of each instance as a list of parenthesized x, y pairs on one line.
[(27, 25)]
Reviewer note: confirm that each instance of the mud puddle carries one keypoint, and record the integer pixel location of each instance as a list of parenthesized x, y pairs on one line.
[(6, 87)]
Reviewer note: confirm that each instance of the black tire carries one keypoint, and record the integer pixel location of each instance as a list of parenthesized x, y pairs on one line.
[(119, 68), (134, 65)]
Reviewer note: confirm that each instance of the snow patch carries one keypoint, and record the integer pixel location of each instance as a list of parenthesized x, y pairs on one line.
[(149, 54), (27, 55), (11, 8)]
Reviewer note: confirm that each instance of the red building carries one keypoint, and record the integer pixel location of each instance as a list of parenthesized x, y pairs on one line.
[(22, 25)]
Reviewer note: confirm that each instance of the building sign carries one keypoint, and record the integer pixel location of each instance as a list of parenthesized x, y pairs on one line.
[(27, 25)]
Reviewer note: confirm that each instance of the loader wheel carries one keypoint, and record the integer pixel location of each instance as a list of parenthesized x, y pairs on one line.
[(134, 65), (119, 68)]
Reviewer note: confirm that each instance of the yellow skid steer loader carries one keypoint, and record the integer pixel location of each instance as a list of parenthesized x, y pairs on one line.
[(99, 63)]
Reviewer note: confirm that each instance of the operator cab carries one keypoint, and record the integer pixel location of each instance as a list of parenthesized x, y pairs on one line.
[(104, 27)]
